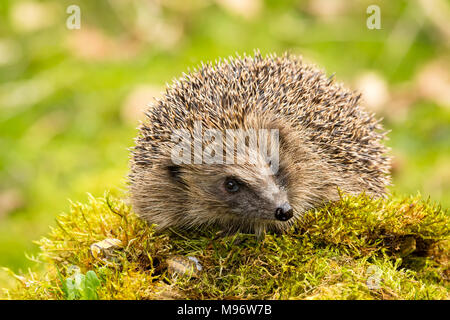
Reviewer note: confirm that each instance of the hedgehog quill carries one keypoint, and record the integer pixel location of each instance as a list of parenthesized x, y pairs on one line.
[(250, 144)]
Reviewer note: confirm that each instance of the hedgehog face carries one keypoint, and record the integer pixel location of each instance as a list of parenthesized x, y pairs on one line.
[(249, 193)]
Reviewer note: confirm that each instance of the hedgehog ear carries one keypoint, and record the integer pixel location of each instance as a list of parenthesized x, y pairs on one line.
[(174, 172)]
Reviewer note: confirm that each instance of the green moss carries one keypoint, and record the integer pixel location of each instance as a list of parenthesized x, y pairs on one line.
[(357, 248)]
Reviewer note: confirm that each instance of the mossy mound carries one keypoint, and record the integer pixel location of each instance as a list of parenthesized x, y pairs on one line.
[(358, 248)]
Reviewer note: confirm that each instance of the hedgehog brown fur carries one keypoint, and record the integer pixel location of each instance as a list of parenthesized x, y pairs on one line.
[(327, 143)]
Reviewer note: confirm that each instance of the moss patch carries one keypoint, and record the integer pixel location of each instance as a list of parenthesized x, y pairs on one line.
[(357, 248)]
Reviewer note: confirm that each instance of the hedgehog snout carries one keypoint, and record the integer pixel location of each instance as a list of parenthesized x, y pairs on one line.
[(284, 212)]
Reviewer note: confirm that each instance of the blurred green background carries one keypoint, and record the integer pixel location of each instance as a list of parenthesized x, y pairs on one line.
[(70, 100)]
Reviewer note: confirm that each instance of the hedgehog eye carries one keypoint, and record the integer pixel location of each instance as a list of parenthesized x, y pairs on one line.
[(231, 185)]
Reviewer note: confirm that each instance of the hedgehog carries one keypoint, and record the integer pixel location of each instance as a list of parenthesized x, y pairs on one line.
[(249, 144)]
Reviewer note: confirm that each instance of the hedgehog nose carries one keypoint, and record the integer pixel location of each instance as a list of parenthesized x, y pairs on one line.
[(284, 212)]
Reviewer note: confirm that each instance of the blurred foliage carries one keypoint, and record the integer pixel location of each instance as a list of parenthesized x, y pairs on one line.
[(70, 99)]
